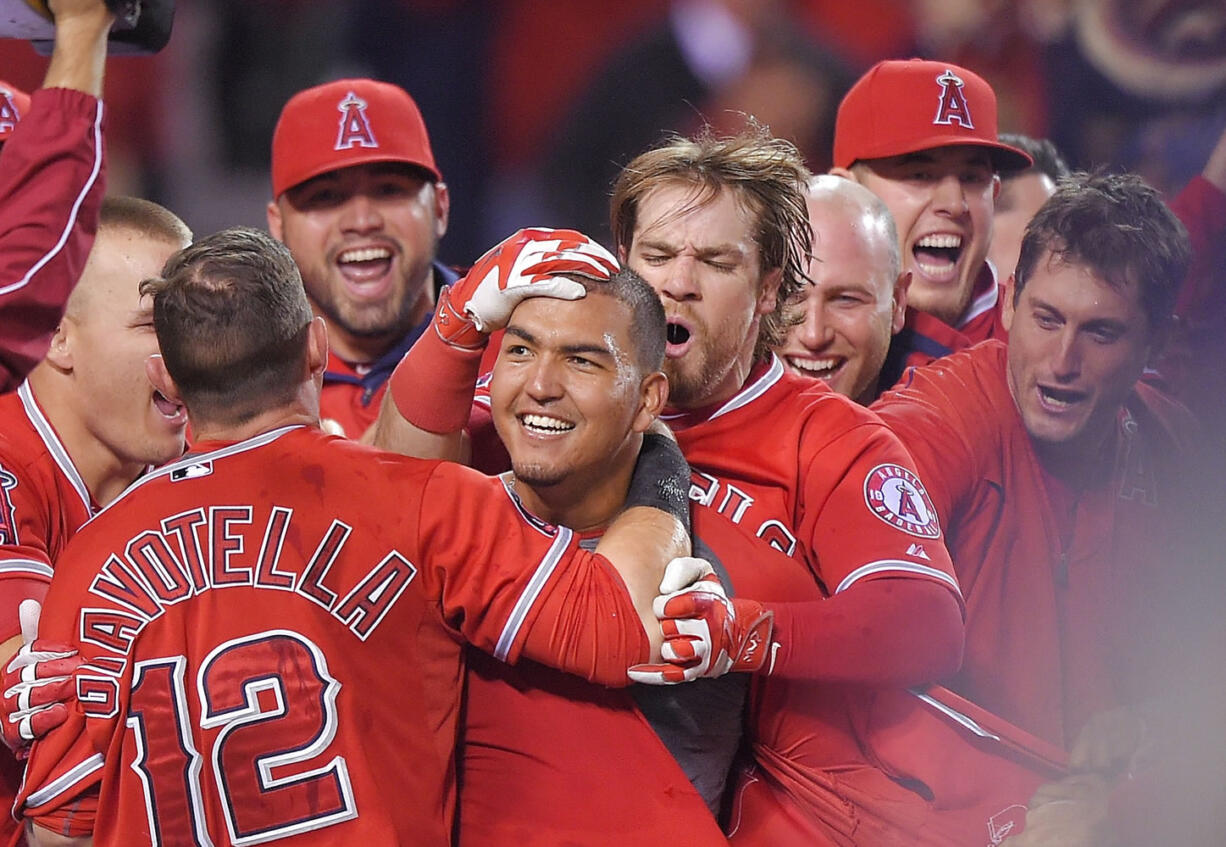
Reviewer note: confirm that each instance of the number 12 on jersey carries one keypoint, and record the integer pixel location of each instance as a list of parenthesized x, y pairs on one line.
[(273, 702)]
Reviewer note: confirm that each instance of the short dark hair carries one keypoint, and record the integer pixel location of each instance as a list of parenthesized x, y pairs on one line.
[(648, 325), (765, 173), (232, 320), (1118, 227), (1047, 159), (144, 217)]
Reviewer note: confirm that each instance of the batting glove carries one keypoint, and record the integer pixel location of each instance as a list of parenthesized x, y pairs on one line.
[(38, 685), (706, 634), (528, 264)]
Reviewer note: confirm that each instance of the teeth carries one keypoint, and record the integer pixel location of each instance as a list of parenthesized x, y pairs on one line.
[(364, 254), (940, 240), (546, 423), (1061, 401), (814, 366)]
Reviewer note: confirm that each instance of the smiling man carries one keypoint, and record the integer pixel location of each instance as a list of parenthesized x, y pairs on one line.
[(361, 205), (858, 293), (921, 135)]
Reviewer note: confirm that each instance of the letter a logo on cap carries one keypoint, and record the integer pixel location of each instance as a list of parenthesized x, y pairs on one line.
[(8, 112), (355, 128), (952, 107)]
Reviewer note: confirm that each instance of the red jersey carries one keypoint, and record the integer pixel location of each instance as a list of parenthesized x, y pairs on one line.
[(274, 634), (1061, 585), (51, 186)]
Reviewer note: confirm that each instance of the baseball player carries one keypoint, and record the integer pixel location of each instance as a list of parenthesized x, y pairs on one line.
[(86, 422), (361, 205), (1058, 476), (52, 179), (921, 135), (858, 296), (266, 601), (717, 227), (1021, 195)]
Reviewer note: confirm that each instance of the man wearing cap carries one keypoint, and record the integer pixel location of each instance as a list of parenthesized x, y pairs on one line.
[(52, 179), (921, 135), (361, 205)]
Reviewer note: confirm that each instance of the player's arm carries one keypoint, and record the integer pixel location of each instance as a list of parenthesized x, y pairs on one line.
[(51, 187), (430, 394)]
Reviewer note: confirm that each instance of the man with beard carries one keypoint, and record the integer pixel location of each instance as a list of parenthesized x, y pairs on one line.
[(360, 203), (857, 296), (865, 596)]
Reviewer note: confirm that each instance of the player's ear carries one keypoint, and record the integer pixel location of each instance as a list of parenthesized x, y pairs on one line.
[(653, 395), (1007, 310), (844, 172), (898, 308), (155, 369), (274, 220), (768, 294), (442, 208), (59, 355), (317, 347)]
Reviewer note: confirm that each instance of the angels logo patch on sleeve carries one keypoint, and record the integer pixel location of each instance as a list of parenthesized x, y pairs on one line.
[(896, 495), (8, 515)]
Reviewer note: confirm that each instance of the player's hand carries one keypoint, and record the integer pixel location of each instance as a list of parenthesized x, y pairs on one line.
[(705, 633), (38, 684), (1108, 742), (1073, 812), (527, 264)]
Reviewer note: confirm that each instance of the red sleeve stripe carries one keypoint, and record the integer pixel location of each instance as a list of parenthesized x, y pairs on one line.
[(887, 565), (544, 572), (25, 566), (63, 783), (72, 216)]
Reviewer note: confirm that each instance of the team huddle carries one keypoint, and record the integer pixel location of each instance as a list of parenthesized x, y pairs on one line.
[(792, 517)]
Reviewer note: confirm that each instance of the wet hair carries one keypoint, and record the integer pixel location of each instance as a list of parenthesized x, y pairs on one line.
[(648, 326), (1047, 159), (1116, 226), (232, 320), (766, 175)]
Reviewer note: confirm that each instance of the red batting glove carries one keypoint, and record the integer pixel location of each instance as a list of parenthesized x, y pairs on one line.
[(527, 264), (38, 684), (706, 634)]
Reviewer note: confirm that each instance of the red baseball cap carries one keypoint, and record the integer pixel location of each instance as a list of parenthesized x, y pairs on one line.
[(344, 123), (903, 106), (14, 104)]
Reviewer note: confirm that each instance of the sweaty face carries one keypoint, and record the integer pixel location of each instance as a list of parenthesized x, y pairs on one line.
[(703, 262), (1077, 345), (110, 330), (565, 392), (849, 311), (942, 202), (363, 238), (1020, 197)]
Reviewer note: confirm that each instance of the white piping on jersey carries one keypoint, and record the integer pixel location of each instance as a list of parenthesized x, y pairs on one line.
[(72, 215), (750, 392), (26, 566), (200, 458), (482, 400), (65, 781), (542, 526), (956, 716), (984, 302), (529, 597), (897, 565), (54, 446)]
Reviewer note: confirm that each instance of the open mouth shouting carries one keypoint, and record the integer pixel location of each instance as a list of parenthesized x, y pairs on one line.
[(1059, 400), (365, 269), (937, 255), (173, 412), (678, 338)]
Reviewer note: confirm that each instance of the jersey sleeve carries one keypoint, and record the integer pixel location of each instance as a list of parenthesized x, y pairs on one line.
[(866, 512), (25, 525), (51, 187), (514, 586)]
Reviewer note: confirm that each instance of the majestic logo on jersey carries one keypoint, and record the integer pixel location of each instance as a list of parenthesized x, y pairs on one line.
[(9, 116), (952, 107), (355, 128), (896, 495), (8, 515), (1001, 824)]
